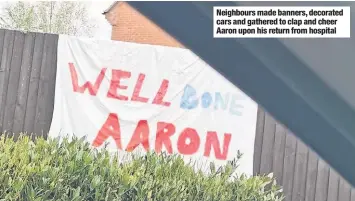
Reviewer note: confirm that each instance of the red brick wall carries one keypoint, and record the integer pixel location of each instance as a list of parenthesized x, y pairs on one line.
[(131, 26)]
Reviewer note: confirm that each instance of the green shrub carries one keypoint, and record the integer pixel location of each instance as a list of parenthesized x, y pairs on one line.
[(71, 170)]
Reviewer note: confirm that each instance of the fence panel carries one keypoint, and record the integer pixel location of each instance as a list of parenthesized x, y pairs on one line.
[(303, 175), (27, 81)]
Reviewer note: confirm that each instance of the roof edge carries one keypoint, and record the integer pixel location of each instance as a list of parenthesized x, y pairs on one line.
[(110, 8)]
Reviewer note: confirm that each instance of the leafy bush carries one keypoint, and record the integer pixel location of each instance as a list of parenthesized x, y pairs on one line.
[(70, 170)]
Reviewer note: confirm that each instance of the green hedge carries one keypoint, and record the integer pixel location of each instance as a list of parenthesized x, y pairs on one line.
[(70, 170)]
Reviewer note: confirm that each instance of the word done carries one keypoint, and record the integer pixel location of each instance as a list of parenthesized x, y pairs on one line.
[(190, 100)]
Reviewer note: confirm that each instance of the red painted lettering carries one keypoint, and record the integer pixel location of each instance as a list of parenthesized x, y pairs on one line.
[(212, 141), (159, 98), (92, 88), (140, 136), (164, 132), (110, 128), (191, 147), (137, 89), (117, 75), (188, 142)]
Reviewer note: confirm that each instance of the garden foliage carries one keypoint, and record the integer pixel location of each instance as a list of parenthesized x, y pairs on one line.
[(69, 169)]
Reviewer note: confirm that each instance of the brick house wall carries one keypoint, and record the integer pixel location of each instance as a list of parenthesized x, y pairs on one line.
[(131, 26)]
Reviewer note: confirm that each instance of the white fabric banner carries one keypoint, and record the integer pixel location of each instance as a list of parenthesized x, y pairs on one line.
[(146, 97)]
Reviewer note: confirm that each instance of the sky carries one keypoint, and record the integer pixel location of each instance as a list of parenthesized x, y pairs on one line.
[(95, 10)]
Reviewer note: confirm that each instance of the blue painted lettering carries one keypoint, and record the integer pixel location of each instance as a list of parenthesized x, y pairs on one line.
[(206, 100), (189, 99), (235, 108), (220, 103)]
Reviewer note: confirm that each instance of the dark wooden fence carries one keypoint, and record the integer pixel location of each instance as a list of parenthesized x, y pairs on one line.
[(303, 175), (27, 81), (27, 84)]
